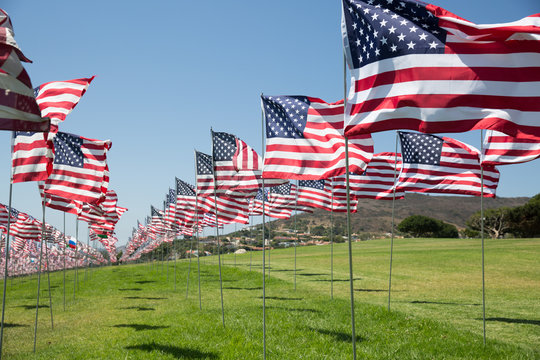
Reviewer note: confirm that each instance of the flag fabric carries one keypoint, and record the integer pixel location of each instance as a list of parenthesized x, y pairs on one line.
[(79, 168), (170, 209), (186, 202), (245, 158), (229, 209), (59, 203), (56, 99), (205, 174), (230, 182), (501, 149), (19, 110), (31, 156), (433, 164), (72, 243), (376, 182), (318, 194), (417, 66), (305, 139)]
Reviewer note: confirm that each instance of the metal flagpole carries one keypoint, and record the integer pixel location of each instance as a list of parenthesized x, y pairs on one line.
[(251, 237), (6, 265), (87, 257), (39, 272), (332, 247), (269, 240), (393, 218), (235, 247), (76, 256), (65, 245), (217, 230), (198, 242), (263, 243), (295, 231), (482, 234), (189, 266), (351, 279), (175, 256), (48, 279)]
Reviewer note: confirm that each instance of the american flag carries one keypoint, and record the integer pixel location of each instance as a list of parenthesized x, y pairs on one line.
[(205, 174), (228, 209), (56, 99), (228, 180), (79, 168), (318, 194), (433, 164), (170, 209), (305, 140), (31, 156), (18, 106), (377, 181), (417, 66), (59, 203), (271, 209), (3, 217), (501, 149), (186, 202), (245, 157)]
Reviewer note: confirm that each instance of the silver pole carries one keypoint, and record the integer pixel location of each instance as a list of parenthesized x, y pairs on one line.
[(332, 248), (48, 279), (251, 237), (393, 218), (482, 234), (264, 244), (198, 244), (175, 256), (6, 265), (65, 245), (217, 231), (189, 266), (39, 271), (351, 280), (296, 231), (76, 256)]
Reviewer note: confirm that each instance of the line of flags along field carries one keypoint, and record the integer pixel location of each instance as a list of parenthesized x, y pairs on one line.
[(412, 66)]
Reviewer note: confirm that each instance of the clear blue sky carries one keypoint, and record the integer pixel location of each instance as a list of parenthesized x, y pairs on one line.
[(167, 71)]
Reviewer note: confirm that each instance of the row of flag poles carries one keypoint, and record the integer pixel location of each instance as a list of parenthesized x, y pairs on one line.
[(71, 172), (412, 66)]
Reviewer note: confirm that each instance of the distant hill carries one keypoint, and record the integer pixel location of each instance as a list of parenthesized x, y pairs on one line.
[(376, 215)]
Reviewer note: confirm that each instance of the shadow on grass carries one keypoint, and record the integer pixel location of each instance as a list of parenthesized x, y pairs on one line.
[(12, 325), (138, 308), (31, 307), (371, 290), (313, 274), (176, 351), (145, 297), (279, 298), (140, 327), (440, 303), (282, 270), (337, 280), (131, 289), (145, 281), (514, 321), (293, 309), (338, 335), (243, 288)]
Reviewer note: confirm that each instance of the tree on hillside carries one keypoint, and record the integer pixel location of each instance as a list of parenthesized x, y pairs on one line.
[(496, 222), (524, 221), (424, 226)]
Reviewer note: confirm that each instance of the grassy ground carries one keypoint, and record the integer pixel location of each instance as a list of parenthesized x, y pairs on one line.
[(133, 311)]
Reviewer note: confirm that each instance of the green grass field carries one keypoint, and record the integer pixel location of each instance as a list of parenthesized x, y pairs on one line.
[(133, 312)]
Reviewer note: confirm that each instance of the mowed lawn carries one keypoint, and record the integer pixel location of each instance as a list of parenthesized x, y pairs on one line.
[(134, 312)]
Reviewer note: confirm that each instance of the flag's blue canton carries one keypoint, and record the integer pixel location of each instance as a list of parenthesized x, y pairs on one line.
[(284, 189), (148, 220), (204, 164), (421, 148), (171, 197), (260, 193), (224, 146), (67, 150), (36, 91), (316, 184), (383, 29), (184, 189), (286, 116), (14, 212), (154, 211)]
